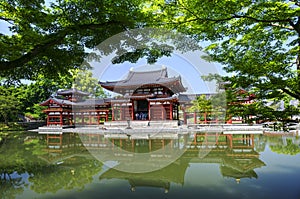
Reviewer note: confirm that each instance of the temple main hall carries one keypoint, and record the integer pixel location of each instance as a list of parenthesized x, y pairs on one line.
[(146, 95)]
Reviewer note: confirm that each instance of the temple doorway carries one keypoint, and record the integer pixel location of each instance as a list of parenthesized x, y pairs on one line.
[(141, 109)]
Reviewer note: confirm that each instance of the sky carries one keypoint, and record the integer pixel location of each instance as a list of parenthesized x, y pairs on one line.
[(189, 66)]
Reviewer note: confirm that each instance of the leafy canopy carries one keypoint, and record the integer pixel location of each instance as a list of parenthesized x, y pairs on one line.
[(258, 41), (52, 39)]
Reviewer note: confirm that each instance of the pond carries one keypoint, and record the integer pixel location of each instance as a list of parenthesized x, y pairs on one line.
[(197, 165)]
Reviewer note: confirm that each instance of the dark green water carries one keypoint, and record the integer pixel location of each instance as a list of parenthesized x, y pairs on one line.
[(255, 166)]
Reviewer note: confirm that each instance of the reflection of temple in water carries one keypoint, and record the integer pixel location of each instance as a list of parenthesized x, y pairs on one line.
[(235, 153)]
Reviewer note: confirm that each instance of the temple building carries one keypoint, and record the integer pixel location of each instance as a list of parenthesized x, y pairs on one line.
[(70, 107), (146, 95), (143, 95)]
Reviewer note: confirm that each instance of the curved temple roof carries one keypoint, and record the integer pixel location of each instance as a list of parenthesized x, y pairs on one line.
[(72, 91), (136, 79), (88, 102)]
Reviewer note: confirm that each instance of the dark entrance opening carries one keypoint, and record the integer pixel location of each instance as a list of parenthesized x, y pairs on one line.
[(141, 110)]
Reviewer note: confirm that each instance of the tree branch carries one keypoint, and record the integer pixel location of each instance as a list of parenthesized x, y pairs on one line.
[(296, 2), (51, 40), (233, 16), (295, 95), (7, 20)]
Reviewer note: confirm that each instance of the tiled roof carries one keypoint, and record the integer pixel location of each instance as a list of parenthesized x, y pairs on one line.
[(88, 102), (57, 101), (72, 91), (137, 79)]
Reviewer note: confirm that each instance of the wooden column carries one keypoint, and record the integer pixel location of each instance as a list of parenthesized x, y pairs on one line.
[(132, 110), (195, 118), (149, 111), (171, 110), (60, 118), (177, 111), (162, 114), (47, 118)]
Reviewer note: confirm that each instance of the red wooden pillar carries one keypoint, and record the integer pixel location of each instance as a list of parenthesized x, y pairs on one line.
[(149, 111), (47, 118), (205, 118), (60, 118), (177, 111), (171, 110), (98, 117), (132, 110), (163, 110), (195, 118)]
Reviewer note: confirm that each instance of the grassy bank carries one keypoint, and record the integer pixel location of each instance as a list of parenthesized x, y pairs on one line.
[(11, 126)]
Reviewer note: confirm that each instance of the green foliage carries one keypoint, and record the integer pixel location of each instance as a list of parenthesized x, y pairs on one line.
[(84, 81), (290, 148), (36, 112), (258, 41), (26, 153), (9, 104), (52, 39), (201, 104)]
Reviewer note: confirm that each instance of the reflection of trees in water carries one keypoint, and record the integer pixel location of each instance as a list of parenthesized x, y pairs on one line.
[(11, 184), (73, 173), (23, 157), (72, 167), (284, 144), (290, 148)]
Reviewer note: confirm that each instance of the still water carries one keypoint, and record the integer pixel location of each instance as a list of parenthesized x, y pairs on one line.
[(189, 166)]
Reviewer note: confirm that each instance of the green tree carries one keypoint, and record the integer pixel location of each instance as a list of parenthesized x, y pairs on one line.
[(290, 148), (258, 41), (84, 81), (202, 105), (9, 104), (52, 39)]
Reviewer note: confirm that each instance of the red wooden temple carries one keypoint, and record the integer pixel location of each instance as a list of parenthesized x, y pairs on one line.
[(71, 107), (146, 95)]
